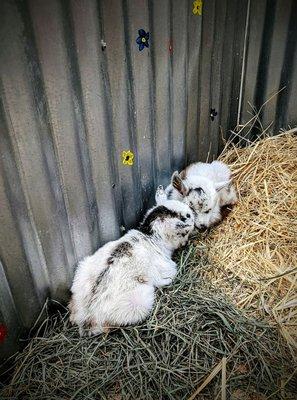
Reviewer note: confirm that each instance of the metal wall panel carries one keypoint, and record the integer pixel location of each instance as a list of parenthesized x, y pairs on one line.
[(70, 107), (271, 64)]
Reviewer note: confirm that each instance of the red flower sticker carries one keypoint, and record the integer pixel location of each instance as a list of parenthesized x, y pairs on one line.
[(3, 333)]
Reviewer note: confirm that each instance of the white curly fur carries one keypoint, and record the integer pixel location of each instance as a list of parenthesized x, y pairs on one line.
[(205, 187), (115, 286)]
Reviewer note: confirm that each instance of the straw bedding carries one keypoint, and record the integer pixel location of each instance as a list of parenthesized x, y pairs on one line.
[(193, 326), (210, 316), (255, 248)]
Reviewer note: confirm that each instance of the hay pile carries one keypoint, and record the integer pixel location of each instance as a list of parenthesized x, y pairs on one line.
[(255, 248), (243, 269), (192, 328)]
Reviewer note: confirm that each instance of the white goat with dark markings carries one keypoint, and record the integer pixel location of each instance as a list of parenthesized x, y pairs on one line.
[(205, 187), (115, 286)]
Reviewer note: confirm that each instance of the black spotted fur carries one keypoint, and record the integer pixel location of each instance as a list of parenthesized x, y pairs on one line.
[(160, 212)]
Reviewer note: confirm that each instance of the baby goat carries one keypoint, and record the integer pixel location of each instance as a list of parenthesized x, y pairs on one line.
[(205, 187), (115, 286)]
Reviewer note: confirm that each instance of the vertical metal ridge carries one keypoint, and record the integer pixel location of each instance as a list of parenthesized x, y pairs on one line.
[(137, 190), (186, 162), (170, 86), (140, 67), (178, 56), (51, 154), (151, 97), (199, 83), (195, 110), (216, 80), (80, 129), (20, 209), (207, 68), (222, 81), (160, 34), (90, 63), (152, 89), (207, 156), (117, 196), (231, 56), (264, 57), (242, 76), (42, 117), (267, 65), (113, 15), (238, 48), (276, 57), (110, 139), (186, 86), (288, 69)]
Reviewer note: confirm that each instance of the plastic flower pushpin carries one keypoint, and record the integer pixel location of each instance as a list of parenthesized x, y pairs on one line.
[(128, 157), (143, 39), (213, 113), (197, 7)]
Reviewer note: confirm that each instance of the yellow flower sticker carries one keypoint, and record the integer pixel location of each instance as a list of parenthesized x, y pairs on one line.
[(127, 157), (197, 7)]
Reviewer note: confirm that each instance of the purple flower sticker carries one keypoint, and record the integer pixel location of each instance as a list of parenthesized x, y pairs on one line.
[(143, 39)]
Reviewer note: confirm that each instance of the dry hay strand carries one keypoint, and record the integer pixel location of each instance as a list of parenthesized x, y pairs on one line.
[(191, 330), (255, 248)]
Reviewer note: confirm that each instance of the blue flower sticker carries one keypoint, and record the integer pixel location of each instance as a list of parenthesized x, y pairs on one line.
[(143, 39)]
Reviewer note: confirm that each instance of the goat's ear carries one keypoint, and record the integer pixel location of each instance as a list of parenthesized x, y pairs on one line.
[(178, 184), (160, 195), (221, 185), (183, 174)]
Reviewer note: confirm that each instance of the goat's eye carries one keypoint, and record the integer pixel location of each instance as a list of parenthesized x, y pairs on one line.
[(188, 215), (182, 219), (206, 212)]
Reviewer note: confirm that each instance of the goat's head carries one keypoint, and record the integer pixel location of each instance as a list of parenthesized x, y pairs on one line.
[(170, 220), (199, 193)]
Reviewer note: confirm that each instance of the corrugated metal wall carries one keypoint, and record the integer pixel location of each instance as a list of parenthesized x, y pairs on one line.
[(69, 108), (271, 63)]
